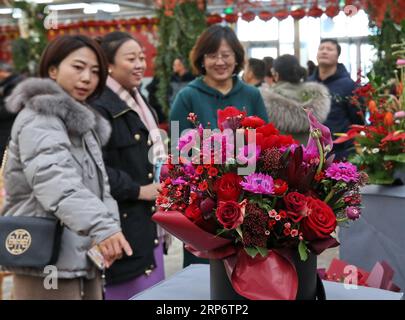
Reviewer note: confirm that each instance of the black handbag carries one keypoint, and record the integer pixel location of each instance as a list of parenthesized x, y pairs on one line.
[(29, 241)]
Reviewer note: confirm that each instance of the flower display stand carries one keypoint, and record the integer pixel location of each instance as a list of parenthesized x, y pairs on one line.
[(378, 235)]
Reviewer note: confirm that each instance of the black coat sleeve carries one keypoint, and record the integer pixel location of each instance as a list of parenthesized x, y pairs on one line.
[(123, 187)]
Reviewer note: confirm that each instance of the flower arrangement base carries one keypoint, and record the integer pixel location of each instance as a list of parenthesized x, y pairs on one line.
[(309, 284), (378, 234), (220, 286)]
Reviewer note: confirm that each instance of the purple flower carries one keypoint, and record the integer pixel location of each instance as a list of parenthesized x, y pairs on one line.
[(188, 139), (399, 115), (400, 62), (189, 169), (258, 183), (353, 213), (244, 157), (326, 137), (343, 171), (178, 181)]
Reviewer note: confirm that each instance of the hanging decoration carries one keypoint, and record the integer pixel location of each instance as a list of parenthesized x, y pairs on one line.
[(265, 15), (248, 16), (298, 14)]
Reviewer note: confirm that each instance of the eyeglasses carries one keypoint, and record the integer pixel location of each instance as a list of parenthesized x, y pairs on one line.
[(226, 56)]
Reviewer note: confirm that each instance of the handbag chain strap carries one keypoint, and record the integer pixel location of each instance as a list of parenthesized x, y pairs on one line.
[(3, 162)]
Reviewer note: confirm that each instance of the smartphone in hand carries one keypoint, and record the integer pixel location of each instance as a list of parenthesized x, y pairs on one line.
[(96, 257)]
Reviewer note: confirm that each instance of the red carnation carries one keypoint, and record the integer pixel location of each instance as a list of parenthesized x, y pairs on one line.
[(193, 212), (253, 122), (227, 114), (280, 187), (228, 187)]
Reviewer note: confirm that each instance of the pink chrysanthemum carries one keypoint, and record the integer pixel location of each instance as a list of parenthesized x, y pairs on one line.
[(343, 171), (258, 183)]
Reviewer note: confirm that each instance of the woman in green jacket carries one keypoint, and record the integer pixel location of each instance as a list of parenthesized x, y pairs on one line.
[(217, 57)]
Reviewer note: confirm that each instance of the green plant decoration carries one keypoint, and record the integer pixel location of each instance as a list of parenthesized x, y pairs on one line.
[(177, 34), (28, 48)]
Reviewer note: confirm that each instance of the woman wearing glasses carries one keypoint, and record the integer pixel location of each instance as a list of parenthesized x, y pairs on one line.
[(217, 57)]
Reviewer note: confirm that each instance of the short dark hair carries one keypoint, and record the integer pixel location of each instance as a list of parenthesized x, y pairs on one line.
[(112, 41), (334, 41), (257, 67), (268, 62), (209, 42), (289, 69), (59, 48)]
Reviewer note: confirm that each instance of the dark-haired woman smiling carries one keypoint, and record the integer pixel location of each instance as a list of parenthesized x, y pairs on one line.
[(217, 57), (55, 168), (130, 169)]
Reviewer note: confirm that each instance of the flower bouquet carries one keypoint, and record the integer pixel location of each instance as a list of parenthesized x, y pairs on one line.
[(257, 202), (381, 142)]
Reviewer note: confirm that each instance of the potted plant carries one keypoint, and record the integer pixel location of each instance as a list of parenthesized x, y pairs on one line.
[(381, 153)]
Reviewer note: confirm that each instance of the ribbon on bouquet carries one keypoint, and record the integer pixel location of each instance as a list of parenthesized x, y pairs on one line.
[(266, 278)]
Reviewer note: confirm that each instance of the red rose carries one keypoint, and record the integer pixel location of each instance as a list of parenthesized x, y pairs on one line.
[(193, 212), (227, 113), (228, 187), (296, 204), (320, 221), (253, 122), (295, 201), (230, 214)]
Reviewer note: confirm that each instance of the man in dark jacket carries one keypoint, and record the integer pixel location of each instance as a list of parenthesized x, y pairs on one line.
[(335, 76), (8, 81)]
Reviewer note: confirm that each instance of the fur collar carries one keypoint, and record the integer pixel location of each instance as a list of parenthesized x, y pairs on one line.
[(285, 103), (46, 97)]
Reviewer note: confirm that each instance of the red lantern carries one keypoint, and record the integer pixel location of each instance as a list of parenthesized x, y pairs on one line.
[(231, 18), (315, 12), (143, 21), (154, 20), (332, 11), (265, 15), (281, 14), (213, 19), (248, 16), (298, 14)]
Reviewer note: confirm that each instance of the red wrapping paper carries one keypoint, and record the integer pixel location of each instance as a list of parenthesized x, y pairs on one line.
[(261, 278)]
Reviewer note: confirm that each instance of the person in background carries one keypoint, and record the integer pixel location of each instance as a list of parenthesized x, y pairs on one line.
[(288, 98), (55, 168), (335, 77), (268, 77), (217, 57), (180, 78), (254, 72), (311, 66), (153, 101), (129, 158), (8, 80)]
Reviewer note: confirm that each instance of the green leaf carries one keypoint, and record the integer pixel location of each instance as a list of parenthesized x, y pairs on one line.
[(239, 231), (263, 251), (251, 251), (397, 158), (303, 251)]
